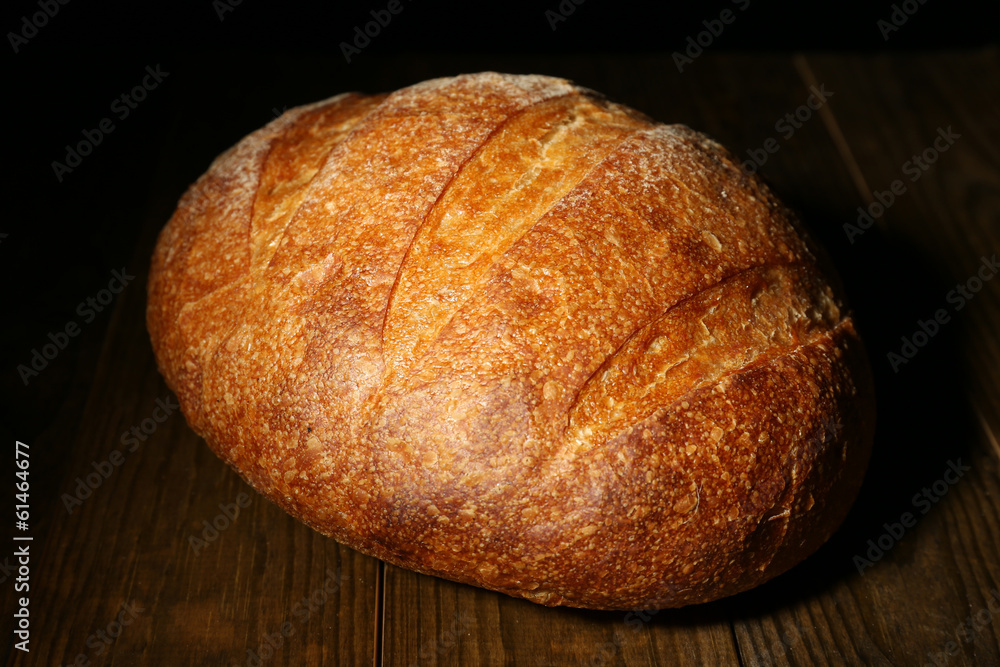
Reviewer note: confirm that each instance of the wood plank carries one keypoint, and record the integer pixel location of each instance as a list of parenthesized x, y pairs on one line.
[(823, 612), (258, 582), (906, 607), (796, 618), (827, 613), (430, 621)]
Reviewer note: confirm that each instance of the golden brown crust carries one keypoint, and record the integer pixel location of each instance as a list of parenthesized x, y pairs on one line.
[(500, 330)]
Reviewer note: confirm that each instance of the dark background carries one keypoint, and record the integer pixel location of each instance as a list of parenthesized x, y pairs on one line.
[(63, 238)]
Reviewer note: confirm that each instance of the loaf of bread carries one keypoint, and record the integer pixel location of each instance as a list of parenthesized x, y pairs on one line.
[(500, 330)]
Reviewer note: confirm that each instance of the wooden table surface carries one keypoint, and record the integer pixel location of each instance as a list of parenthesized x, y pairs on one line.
[(133, 571)]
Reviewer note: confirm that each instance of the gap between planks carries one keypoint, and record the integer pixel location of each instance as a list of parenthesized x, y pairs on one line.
[(986, 427), (736, 643), (836, 134), (379, 614)]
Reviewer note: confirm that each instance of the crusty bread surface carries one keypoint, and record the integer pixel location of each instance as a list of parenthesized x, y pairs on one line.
[(500, 330)]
